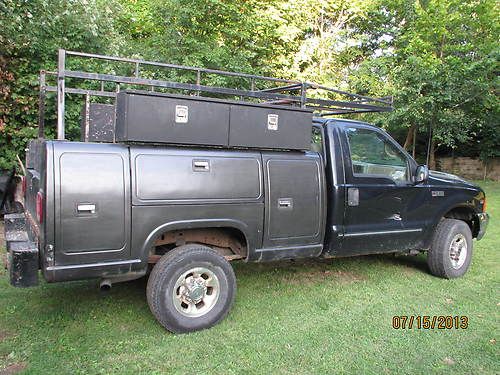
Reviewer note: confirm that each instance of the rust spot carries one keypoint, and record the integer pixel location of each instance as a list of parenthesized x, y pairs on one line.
[(154, 258), (225, 242), (14, 368)]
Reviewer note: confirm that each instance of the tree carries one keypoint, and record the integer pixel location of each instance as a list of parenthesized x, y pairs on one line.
[(323, 41), (32, 31), (217, 34), (438, 60)]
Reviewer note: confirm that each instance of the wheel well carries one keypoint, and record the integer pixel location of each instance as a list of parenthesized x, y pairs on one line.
[(229, 242), (465, 214)]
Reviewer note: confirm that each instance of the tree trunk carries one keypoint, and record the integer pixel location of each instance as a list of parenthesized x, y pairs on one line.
[(432, 158), (413, 153), (409, 137)]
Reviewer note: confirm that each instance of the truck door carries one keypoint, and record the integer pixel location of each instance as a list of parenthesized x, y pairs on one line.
[(92, 202), (382, 204), (295, 208)]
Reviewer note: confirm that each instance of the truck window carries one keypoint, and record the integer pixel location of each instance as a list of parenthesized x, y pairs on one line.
[(374, 155)]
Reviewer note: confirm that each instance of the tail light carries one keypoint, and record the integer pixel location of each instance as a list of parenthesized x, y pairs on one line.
[(39, 207), (484, 204), (23, 184)]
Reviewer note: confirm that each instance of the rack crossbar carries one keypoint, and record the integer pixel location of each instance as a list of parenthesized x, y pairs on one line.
[(286, 92), (176, 85), (180, 67)]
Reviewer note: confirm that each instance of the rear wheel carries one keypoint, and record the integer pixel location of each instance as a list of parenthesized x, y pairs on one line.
[(191, 288), (450, 254)]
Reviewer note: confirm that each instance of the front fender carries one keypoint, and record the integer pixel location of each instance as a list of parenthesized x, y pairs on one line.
[(451, 205)]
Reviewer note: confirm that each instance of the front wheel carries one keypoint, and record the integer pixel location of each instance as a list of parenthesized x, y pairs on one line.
[(191, 288), (450, 254)]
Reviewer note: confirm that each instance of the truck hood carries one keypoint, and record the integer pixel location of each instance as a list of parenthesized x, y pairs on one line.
[(442, 178)]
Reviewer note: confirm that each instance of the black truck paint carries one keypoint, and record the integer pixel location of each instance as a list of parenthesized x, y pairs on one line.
[(105, 205)]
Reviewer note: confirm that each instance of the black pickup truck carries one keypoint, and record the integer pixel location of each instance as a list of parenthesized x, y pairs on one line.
[(117, 211)]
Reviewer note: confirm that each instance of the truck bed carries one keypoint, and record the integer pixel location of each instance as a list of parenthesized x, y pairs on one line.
[(107, 204)]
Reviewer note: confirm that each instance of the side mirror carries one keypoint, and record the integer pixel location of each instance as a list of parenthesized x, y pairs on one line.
[(421, 174)]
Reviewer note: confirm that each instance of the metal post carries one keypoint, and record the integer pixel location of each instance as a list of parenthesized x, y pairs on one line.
[(198, 81), (41, 106), (86, 129), (303, 94), (137, 70), (60, 93), (429, 145)]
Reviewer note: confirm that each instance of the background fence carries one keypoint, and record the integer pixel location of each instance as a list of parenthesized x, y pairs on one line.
[(471, 168)]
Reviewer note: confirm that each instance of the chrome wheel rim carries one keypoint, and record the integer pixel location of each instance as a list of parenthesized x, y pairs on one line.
[(196, 292), (458, 251)]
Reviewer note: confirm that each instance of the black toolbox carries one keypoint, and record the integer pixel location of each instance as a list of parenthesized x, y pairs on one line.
[(270, 127), (175, 119), (162, 118)]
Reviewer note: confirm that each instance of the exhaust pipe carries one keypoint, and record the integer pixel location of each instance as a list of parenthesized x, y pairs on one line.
[(105, 285)]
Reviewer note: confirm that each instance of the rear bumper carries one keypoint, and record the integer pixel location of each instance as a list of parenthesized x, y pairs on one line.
[(483, 220), (22, 254)]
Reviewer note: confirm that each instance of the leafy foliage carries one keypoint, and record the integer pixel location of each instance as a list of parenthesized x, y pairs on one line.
[(438, 58), (32, 31)]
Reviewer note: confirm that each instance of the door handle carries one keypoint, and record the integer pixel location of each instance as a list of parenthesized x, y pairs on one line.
[(353, 197), (201, 165), (85, 208), (285, 203)]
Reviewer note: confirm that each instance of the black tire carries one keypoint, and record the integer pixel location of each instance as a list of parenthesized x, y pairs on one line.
[(170, 269), (438, 257)]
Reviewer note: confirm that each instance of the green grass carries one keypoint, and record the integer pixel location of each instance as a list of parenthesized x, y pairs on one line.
[(290, 317)]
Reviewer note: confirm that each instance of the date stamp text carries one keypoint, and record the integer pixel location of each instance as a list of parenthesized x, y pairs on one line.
[(430, 322)]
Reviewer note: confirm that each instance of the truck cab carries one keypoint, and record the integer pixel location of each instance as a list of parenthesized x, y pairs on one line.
[(387, 202)]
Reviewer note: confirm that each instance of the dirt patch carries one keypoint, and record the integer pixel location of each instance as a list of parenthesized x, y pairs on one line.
[(448, 361), (3, 254), (310, 271), (14, 368), (2, 235), (408, 270), (4, 335), (312, 277)]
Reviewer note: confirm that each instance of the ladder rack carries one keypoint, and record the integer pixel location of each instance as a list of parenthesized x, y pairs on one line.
[(258, 89)]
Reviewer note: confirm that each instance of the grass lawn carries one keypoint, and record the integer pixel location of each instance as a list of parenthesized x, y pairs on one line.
[(307, 317)]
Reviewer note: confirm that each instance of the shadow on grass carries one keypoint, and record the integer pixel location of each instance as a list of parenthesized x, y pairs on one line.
[(64, 303), (357, 264)]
